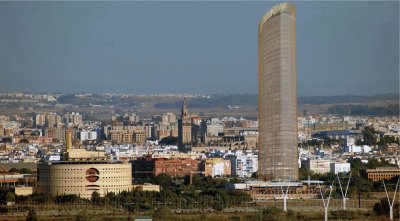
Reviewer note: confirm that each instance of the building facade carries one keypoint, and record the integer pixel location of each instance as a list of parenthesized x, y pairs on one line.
[(338, 167), (148, 167), (176, 167), (383, 173), (277, 94), (212, 127), (168, 118), (83, 178), (216, 167), (246, 163), (320, 166), (73, 118)]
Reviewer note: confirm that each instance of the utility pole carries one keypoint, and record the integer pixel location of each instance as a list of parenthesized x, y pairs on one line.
[(394, 196), (344, 195), (326, 203), (285, 196)]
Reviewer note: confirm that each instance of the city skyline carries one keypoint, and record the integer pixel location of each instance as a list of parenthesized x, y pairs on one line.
[(201, 47)]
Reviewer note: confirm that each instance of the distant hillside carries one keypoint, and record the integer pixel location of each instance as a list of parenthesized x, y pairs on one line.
[(217, 100), (221, 100), (346, 99), (364, 110)]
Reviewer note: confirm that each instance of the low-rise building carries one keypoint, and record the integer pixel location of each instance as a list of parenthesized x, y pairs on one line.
[(390, 148), (261, 191), (337, 167), (23, 190), (176, 166), (82, 178), (243, 162), (337, 134), (148, 167), (216, 167), (318, 165), (383, 173)]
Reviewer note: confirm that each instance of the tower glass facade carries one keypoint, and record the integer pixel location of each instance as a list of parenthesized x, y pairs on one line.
[(277, 94)]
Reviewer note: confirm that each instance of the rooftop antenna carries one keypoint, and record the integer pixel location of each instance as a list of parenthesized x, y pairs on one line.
[(394, 196), (326, 202), (344, 195)]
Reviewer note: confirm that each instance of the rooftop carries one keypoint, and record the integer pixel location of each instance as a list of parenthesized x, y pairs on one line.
[(282, 8)]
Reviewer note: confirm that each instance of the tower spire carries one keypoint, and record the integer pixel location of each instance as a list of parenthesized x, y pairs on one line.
[(184, 111), (184, 127)]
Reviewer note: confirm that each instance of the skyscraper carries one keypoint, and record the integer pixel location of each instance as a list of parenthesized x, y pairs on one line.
[(184, 128), (277, 94)]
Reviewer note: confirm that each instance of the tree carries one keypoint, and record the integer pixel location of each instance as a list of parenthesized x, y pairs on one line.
[(25, 171), (10, 197), (24, 140), (385, 140), (169, 141), (95, 198), (163, 179), (369, 136), (359, 142), (14, 170), (162, 212), (69, 198), (217, 206), (383, 207)]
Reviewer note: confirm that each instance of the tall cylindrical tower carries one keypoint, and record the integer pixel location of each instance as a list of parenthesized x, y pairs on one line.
[(277, 94)]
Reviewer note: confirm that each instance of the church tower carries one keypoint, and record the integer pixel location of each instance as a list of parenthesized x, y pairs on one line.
[(184, 128)]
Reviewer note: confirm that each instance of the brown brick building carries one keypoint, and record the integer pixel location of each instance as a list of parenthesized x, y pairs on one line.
[(383, 173), (175, 167)]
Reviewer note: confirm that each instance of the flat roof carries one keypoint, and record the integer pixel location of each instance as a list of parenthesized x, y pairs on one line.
[(278, 9), (82, 162), (383, 168), (312, 181), (272, 183)]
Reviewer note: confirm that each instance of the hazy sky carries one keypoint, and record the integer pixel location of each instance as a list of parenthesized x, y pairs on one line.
[(192, 47)]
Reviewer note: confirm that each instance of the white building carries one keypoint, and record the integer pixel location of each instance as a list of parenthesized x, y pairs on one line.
[(357, 149), (87, 135), (318, 165), (394, 127), (337, 167), (213, 127), (53, 158), (93, 135), (83, 135), (244, 163), (133, 118)]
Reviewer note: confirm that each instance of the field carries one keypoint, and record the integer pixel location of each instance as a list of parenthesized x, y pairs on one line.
[(271, 210)]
